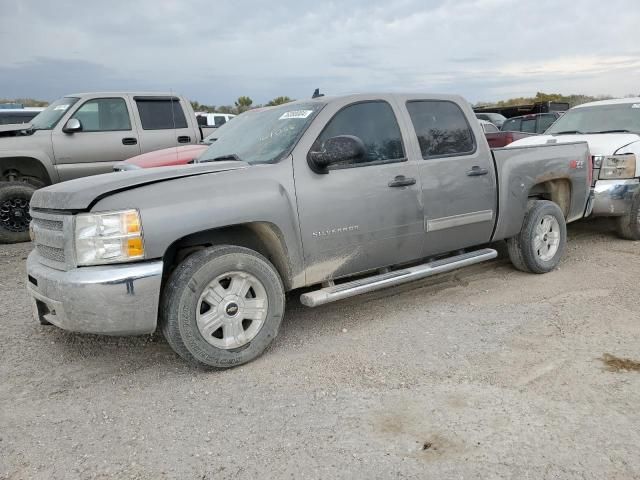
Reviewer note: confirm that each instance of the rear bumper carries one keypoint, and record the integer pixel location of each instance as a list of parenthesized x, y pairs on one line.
[(110, 300), (613, 198)]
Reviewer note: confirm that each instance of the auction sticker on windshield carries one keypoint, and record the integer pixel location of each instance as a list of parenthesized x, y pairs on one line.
[(295, 114)]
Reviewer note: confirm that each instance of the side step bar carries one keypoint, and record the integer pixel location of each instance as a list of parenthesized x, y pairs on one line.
[(397, 277)]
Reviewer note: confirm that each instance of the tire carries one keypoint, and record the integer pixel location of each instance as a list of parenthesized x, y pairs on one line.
[(628, 226), (203, 308), (540, 244), (14, 211)]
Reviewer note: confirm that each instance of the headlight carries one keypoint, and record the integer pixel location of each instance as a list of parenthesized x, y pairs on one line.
[(616, 166), (108, 237)]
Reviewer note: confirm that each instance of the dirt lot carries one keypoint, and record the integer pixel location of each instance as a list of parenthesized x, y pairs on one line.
[(485, 373)]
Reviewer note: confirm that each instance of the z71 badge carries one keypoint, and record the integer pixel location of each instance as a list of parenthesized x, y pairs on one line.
[(576, 164)]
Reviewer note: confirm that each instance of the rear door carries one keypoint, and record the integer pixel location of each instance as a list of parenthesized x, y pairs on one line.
[(358, 216), (107, 136), (162, 122), (456, 172)]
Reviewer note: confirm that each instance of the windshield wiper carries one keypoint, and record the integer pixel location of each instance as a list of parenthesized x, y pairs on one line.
[(619, 130), (568, 132), (231, 156)]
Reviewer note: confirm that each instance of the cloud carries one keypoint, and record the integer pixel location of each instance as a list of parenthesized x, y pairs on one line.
[(217, 51)]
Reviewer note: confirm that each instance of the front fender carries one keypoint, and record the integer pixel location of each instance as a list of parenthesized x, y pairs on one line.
[(174, 209), (40, 156)]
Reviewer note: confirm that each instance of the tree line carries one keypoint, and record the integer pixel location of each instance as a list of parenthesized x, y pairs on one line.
[(242, 104), (572, 100)]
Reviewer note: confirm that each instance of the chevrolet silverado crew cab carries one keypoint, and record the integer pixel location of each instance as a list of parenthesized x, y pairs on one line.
[(612, 130), (343, 195), (84, 134)]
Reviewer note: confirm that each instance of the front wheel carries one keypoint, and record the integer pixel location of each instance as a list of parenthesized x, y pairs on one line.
[(628, 225), (222, 306), (14, 211), (540, 244)]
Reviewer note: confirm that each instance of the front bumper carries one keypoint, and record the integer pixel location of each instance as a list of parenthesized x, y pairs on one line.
[(613, 198), (109, 300)]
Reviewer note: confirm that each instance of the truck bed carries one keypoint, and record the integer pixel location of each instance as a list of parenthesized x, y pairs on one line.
[(567, 170)]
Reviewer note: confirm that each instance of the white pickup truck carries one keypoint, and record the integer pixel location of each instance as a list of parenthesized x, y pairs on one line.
[(612, 130)]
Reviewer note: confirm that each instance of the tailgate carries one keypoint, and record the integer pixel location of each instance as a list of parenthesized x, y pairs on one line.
[(521, 171)]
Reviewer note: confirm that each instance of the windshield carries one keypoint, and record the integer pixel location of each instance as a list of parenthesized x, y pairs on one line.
[(601, 118), (50, 116), (262, 136)]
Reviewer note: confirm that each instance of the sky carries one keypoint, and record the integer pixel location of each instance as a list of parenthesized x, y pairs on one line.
[(214, 50)]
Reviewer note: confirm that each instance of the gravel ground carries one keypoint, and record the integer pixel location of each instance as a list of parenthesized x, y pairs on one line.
[(484, 373)]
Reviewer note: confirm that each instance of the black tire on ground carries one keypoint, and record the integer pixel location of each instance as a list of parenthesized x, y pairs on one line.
[(628, 226), (522, 250), (14, 211), (182, 294)]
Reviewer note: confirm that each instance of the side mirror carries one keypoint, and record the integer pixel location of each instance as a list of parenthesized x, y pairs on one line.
[(339, 149), (73, 125)]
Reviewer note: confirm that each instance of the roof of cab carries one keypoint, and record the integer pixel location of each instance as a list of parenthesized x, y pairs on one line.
[(614, 101)]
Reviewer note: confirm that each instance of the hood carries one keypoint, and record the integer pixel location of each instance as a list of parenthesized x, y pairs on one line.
[(14, 127), (81, 193), (599, 143), (167, 156)]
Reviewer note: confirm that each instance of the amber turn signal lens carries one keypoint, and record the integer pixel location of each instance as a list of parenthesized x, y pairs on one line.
[(135, 247), (133, 222)]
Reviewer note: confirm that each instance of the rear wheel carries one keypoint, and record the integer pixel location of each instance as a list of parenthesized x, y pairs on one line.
[(628, 226), (14, 211), (222, 306), (540, 244)]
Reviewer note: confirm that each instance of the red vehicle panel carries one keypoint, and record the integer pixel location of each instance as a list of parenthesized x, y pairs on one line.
[(163, 158)]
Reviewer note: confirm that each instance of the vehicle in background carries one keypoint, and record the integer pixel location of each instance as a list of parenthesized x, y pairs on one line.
[(526, 109), (213, 119), (612, 130), (169, 157), (12, 116), (494, 118), (534, 123), (341, 195), (80, 135), (496, 138)]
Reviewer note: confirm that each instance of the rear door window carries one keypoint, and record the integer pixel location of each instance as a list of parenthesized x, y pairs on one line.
[(441, 127), (544, 122), (528, 125), (161, 113), (512, 125), (375, 124)]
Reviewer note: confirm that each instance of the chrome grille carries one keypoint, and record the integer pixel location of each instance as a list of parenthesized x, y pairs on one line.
[(55, 225), (48, 236), (51, 253)]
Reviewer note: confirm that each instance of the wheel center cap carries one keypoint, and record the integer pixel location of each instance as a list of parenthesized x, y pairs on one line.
[(17, 213), (232, 309)]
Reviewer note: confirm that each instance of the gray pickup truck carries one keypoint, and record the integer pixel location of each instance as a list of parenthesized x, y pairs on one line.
[(343, 195), (84, 134)]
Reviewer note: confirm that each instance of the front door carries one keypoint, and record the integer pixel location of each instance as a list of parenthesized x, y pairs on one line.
[(457, 174), (107, 137), (358, 216)]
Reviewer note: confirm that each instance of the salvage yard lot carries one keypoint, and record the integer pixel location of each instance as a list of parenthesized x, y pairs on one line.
[(486, 372)]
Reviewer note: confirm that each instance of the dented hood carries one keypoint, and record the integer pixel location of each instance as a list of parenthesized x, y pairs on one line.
[(81, 193)]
